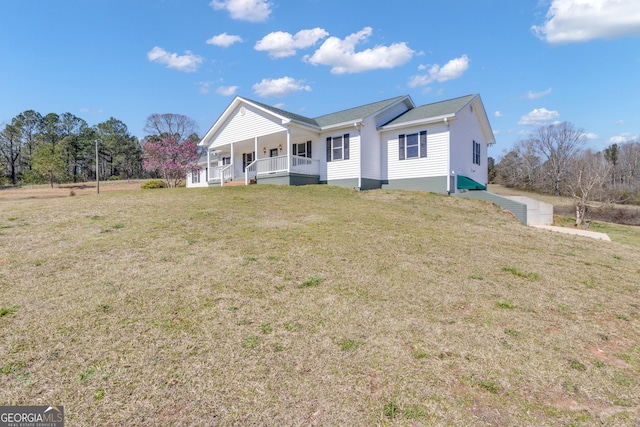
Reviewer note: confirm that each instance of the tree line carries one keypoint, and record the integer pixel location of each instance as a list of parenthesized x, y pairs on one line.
[(555, 160), (55, 148)]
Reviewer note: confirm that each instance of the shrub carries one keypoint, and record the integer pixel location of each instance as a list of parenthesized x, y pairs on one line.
[(153, 183)]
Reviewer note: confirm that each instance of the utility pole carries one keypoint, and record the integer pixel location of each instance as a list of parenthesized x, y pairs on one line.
[(97, 171)]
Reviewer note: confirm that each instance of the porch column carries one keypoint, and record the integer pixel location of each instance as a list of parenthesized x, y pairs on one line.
[(288, 150), (208, 164), (255, 149)]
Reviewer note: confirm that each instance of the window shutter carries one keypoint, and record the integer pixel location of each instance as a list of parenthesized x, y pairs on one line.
[(328, 149), (345, 140), (423, 143), (309, 149), (295, 149), (401, 146)]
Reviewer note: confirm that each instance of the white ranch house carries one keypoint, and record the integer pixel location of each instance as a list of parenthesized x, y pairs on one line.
[(439, 147)]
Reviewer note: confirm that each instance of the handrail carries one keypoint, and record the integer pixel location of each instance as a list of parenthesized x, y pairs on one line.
[(223, 173), (226, 174), (250, 172)]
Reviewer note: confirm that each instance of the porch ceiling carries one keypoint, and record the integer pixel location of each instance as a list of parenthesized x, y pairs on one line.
[(271, 140)]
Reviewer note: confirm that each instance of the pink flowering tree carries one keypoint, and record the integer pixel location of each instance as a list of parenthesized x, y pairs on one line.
[(170, 159)]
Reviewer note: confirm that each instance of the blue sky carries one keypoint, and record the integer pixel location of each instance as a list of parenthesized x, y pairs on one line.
[(534, 62)]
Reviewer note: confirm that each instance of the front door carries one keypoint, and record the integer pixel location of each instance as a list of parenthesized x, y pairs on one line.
[(247, 159), (273, 152)]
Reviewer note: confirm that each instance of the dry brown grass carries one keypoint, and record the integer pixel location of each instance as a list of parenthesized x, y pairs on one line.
[(66, 190), (312, 306)]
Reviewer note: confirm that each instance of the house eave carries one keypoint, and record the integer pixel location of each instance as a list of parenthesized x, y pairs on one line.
[(238, 100), (426, 121)]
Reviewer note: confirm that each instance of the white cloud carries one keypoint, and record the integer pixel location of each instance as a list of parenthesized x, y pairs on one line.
[(341, 55), (618, 122), (205, 87), (227, 90), (536, 95), (590, 135), (497, 114), (449, 71), (538, 116), (280, 44), (581, 20), (244, 10), (624, 137), (224, 40), (279, 87), (187, 62)]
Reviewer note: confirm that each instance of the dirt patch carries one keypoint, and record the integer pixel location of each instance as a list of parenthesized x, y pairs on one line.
[(66, 190), (604, 356)]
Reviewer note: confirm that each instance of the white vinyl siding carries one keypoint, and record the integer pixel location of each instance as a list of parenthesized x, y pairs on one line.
[(435, 164), (246, 126), (464, 131), (342, 169), (372, 164), (200, 179), (389, 114)]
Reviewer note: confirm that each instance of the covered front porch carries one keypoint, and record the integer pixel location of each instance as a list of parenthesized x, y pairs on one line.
[(271, 158)]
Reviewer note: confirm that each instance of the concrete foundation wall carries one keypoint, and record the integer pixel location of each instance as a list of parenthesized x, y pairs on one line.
[(538, 213), (436, 184)]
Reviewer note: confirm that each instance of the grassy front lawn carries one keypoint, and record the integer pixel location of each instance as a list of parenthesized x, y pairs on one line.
[(315, 305)]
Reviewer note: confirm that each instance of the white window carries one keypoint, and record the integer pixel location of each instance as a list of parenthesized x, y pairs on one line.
[(195, 176), (303, 149), (338, 148), (476, 153), (413, 145)]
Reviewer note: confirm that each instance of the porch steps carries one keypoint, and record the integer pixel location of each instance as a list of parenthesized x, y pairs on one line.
[(237, 182)]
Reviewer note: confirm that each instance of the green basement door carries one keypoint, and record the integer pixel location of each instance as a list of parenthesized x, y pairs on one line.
[(465, 183)]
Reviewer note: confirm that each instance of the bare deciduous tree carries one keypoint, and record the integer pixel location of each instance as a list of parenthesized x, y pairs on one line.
[(629, 165), (557, 145), (589, 172), (170, 125)]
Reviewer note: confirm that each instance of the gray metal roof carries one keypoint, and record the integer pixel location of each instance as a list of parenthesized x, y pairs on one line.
[(437, 109), (284, 113), (351, 114)]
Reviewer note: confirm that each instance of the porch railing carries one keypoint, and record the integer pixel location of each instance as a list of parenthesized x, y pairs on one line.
[(269, 165), (223, 173), (305, 165)]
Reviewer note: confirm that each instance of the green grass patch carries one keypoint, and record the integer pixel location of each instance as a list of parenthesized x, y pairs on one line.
[(578, 366), (505, 303), (391, 409), (5, 311), (251, 342), (310, 282), (490, 386), (517, 272), (11, 368), (350, 345)]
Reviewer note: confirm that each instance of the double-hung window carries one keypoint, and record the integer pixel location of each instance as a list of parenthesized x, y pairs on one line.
[(195, 176), (413, 145), (338, 148), (476, 153), (303, 149)]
